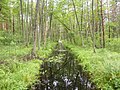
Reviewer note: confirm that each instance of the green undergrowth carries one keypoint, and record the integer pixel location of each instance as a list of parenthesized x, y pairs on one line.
[(16, 74), (113, 45), (7, 38), (44, 52), (7, 52), (102, 66)]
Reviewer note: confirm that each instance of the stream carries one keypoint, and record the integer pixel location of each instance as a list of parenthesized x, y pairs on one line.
[(62, 72)]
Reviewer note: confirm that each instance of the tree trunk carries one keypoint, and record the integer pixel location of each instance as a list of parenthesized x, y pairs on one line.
[(77, 22), (109, 36), (21, 9), (93, 29), (103, 32), (34, 28), (46, 25), (27, 25), (13, 26)]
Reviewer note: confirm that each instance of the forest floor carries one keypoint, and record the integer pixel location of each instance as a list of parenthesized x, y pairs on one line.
[(16, 71), (103, 66)]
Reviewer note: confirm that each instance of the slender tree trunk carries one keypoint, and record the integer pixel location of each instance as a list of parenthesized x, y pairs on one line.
[(46, 25), (103, 32), (93, 29), (42, 21), (88, 22), (34, 28), (13, 26), (108, 19), (51, 17), (77, 22), (50, 26), (41, 26), (31, 22), (39, 29), (82, 23), (45, 33), (27, 25), (21, 9)]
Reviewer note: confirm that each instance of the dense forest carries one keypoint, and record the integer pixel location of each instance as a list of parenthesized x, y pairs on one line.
[(42, 36)]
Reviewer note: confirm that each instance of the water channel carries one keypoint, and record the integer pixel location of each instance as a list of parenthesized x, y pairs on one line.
[(61, 71)]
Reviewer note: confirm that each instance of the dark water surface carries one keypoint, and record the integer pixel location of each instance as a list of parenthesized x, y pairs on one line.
[(62, 72)]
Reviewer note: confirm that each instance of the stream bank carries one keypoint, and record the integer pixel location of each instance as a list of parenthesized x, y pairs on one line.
[(61, 71)]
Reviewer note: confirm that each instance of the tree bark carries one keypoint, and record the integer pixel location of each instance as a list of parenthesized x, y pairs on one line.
[(34, 28), (21, 9), (13, 26), (93, 29), (103, 32)]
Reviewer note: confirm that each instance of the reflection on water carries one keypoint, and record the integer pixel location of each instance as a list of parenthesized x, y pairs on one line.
[(62, 72)]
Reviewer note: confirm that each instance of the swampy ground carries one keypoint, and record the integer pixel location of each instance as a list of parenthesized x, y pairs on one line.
[(59, 44), (62, 72), (69, 68)]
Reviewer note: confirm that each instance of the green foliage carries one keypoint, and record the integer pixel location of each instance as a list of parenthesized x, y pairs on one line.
[(7, 38), (4, 10), (14, 74), (103, 66), (46, 51), (113, 45), (8, 52), (18, 75), (56, 59), (3, 39)]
